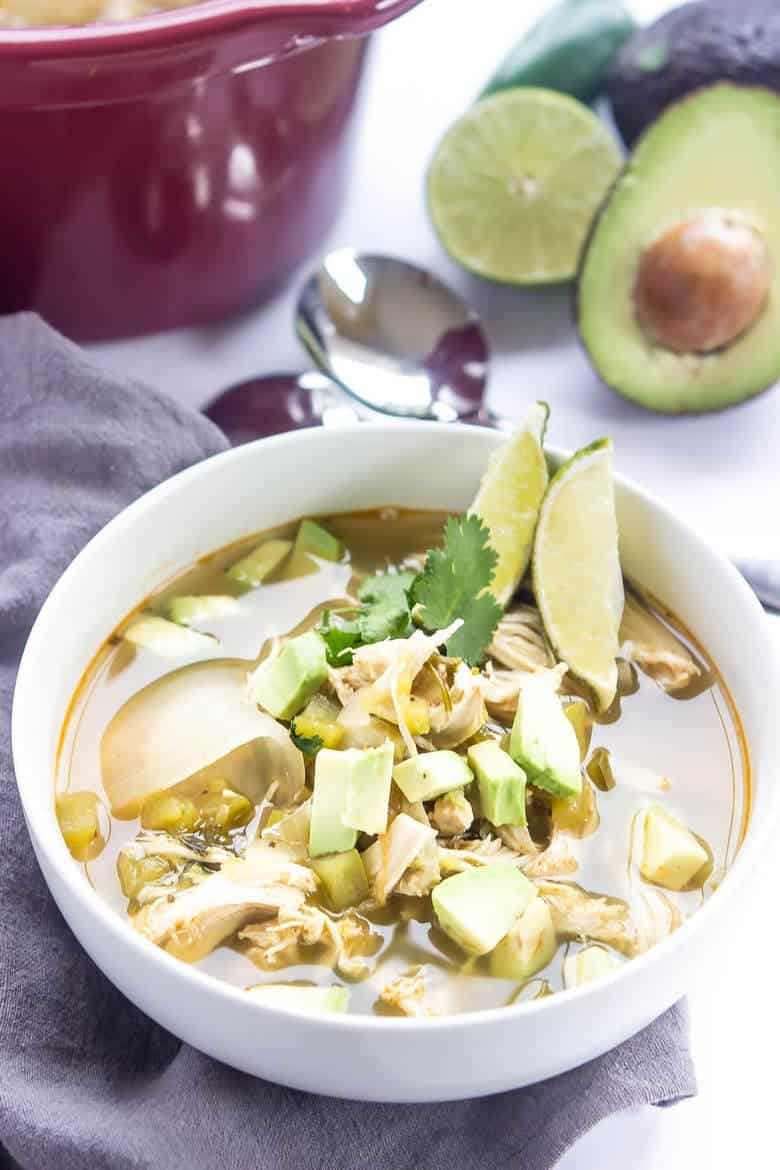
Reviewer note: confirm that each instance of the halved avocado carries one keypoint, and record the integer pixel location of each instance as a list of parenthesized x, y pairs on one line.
[(678, 293)]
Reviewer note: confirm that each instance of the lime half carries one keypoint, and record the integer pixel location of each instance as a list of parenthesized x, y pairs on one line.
[(576, 569), (515, 184), (509, 497)]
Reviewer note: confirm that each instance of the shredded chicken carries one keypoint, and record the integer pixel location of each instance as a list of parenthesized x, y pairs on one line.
[(406, 993), (654, 648), (589, 917), (393, 852), (555, 860), (292, 830), (467, 713), (348, 940), (414, 809), (518, 839), (183, 848), (501, 688), (519, 640), (275, 943), (452, 814), (514, 845), (423, 874), (371, 685), (462, 855), (193, 921)]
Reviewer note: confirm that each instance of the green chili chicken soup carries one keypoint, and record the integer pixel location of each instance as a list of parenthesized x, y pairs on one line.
[(405, 763)]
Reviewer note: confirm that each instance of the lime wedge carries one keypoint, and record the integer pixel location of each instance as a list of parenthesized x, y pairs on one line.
[(509, 497), (576, 569), (515, 183)]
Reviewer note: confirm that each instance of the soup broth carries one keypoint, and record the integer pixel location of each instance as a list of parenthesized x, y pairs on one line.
[(679, 750)]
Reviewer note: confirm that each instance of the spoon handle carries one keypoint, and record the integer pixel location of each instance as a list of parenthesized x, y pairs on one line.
[(763, 577)]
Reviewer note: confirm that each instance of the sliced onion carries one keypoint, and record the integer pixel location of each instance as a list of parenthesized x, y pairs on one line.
[(184, 723)]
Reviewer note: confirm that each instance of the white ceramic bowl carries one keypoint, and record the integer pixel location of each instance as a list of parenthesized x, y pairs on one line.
[(266, 483)]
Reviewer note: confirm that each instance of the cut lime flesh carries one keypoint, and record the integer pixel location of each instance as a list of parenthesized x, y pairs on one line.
[(509, 497), (515, 183), (576, 569)]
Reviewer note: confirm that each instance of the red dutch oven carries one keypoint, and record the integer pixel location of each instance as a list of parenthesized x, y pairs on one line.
[(170, 169)]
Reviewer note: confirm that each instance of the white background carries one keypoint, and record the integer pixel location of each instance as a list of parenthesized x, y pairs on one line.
[(720, 472)]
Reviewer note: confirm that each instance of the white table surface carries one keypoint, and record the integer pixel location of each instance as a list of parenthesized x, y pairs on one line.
[(719, 472)]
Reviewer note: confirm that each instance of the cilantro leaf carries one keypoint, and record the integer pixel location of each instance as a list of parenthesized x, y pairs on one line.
[(391, 588), (480, 616), (340, 641), (453, 585), (386, 610), (384, 613), (385, 621), (308, 744)]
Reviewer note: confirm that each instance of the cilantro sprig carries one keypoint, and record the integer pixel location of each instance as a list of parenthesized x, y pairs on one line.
[(454, 583), (384, 612)]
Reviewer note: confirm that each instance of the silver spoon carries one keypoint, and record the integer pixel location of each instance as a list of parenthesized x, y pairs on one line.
[(388, 334), (394, 337)]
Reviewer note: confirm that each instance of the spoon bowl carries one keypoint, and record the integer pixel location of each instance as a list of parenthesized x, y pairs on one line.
[(393, 336)]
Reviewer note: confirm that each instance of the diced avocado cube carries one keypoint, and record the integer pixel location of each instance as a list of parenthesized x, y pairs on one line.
[(168, 639), (284, 685), (253, 569), (368, 787), (671, 855), (529, 946), (478, 907), (543, 741), (327, 831), (501, 784), (200, 608), (432, 774), (313, 538), (320, 718), (342, 877), (587, 964), (295, 998)]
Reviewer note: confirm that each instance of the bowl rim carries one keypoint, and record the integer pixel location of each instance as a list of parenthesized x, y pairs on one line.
[(141, 949), (197, 20)]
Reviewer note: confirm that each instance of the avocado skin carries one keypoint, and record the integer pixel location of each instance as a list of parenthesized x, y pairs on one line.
[(696, 45)]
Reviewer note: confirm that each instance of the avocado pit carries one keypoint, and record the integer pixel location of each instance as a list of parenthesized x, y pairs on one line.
[(702, 283)]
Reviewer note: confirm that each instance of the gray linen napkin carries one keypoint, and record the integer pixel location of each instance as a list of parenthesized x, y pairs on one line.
[(86, 1081)]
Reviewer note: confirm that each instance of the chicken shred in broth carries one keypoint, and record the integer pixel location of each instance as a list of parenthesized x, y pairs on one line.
[(205, 833)]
